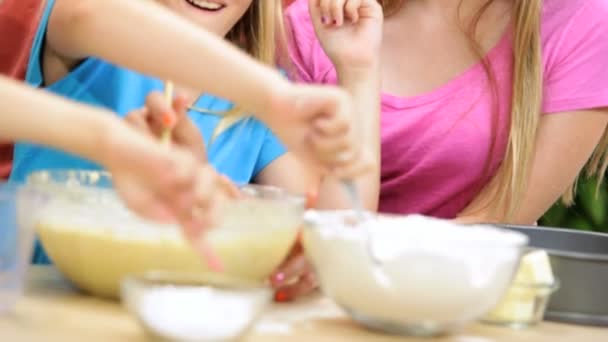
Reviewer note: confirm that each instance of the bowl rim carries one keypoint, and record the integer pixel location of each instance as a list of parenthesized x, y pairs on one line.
[(38, 173), (563, 253), (31, 181), (159, 278), (518, 240)]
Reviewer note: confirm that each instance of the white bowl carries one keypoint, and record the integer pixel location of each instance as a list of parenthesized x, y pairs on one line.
[(434, 276), (196, 308)]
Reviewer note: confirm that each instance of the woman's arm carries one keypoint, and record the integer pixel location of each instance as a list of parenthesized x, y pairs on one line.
[(565, 143)]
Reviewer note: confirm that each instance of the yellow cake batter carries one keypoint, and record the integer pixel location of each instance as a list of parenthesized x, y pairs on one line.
[(95, 253)]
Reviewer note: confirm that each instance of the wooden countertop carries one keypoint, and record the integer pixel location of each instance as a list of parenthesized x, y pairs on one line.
[(52, 311)]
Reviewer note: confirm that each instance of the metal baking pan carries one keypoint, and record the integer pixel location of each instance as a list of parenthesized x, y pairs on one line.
[(580, 262)]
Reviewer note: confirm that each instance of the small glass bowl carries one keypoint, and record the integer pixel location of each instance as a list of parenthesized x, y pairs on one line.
[(194, 307), (523, 306)]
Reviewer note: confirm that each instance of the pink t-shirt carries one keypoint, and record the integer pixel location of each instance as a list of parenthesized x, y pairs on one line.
[(435, 145)]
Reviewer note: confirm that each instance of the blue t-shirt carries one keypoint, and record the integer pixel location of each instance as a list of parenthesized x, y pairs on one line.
[(240, 152)]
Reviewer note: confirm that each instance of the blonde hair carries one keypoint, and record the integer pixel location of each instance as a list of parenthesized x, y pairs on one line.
[(260, 32), (511, 180)]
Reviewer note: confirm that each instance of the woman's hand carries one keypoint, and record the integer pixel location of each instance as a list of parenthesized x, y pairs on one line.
[(157, 116), (350, 31)]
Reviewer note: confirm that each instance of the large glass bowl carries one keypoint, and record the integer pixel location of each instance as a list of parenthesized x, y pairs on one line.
[(95, 241), (426, 277)]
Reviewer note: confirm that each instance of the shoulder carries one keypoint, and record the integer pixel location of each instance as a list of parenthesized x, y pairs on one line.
[(570, 24), (567, 9), (574, 37), (562, 16)]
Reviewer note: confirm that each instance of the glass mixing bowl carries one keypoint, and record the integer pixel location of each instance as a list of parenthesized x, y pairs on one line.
[(95, 241), (427, 277), (198, 308)]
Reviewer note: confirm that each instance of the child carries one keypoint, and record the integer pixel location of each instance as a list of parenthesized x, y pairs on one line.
[(191, 57), (314, 122), (489, 108), (158, 182), (510, 139)]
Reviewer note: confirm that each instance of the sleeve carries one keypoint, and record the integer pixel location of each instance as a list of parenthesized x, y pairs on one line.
[(308, 61), (34, 75), (576, 71), (19, 21), (270, 151)]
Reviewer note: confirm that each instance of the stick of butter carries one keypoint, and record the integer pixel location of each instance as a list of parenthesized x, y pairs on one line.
[(535, 268), (519, 303)]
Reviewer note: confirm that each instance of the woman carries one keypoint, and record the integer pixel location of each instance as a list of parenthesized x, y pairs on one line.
[(490, 108)]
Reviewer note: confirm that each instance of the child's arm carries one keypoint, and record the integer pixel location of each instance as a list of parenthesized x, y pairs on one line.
[(143, 36), (155, 181), (351, 38), (41, 118)]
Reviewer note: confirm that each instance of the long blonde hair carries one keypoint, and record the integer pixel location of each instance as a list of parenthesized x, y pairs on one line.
[(511, 180), (260, 32)]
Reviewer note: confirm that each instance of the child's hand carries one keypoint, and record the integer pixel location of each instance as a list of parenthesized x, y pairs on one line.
[(350, 31), (318, 124), (294, 278), (157, 116), (165, 183)]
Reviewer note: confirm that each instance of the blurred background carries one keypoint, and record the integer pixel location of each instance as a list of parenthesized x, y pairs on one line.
[(589, 212)]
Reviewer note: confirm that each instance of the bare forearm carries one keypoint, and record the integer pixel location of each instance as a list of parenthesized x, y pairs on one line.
[(145, 37), (38, 117), (364, 86)]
